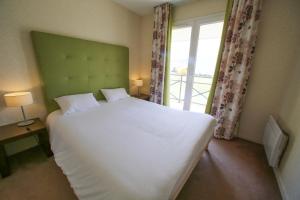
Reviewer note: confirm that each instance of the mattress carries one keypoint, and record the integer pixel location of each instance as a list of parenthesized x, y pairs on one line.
[(129, 149)]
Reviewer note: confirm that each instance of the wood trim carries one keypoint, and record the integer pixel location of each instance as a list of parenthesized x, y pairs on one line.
[(4, 165), (11, 132)]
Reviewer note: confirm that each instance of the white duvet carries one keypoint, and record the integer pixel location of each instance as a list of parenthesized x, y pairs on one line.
[(129, 149)]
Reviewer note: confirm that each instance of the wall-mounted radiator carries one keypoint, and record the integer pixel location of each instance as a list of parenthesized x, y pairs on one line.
[(274, 141)]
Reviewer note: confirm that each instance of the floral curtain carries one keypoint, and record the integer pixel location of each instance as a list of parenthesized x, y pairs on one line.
[(235, 66), (162, 17)]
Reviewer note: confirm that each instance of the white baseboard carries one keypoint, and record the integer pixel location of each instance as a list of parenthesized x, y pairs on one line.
[(281, 185)]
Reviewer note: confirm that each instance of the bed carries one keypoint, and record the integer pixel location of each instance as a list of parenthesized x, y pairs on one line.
[(128, 149)]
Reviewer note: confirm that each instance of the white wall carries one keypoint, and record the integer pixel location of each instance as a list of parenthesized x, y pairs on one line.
[(98, 20)]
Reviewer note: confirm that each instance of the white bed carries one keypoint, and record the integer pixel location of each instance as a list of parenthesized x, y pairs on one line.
[(129, 149)]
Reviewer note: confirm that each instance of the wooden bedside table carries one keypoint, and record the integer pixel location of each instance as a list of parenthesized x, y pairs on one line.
[(142, 96), (12, 132)]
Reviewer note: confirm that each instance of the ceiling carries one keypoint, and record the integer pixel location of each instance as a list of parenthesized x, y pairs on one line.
[(144, 7)]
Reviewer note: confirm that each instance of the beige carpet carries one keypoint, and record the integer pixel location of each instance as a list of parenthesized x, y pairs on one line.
[(235, 170)]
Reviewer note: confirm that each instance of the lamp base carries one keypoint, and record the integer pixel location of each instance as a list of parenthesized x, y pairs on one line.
[(139, 93), (25, 123)]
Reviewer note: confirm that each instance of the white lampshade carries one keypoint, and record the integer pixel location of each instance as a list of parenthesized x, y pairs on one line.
[(18, 99), (138, 83)]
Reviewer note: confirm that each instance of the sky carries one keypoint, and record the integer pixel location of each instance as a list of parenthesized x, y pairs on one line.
[(207, 51)]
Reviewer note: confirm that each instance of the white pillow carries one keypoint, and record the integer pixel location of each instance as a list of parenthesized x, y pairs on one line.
[(112, 95), (76, 103)]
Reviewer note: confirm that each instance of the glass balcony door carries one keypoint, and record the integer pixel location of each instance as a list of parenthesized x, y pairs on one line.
[(180, 48), (194, 50)]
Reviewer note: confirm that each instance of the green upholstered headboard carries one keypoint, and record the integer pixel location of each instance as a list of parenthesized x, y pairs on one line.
[(71, 66)]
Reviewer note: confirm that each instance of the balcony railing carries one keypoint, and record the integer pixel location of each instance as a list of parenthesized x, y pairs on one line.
[(200, 89)]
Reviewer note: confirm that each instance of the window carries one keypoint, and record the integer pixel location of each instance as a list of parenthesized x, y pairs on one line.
[(194, 50)]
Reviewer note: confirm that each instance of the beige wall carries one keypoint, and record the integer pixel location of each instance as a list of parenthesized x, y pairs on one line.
[(288, 173), (274, 86), (192, 10), (199, 9), (275, 53), (278, 40), (146, 48), (99, 20)]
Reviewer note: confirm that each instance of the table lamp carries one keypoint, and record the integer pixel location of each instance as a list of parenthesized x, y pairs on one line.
[(139, 84), (21, 99)]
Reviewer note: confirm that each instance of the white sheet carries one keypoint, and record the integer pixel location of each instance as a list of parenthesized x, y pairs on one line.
[(129, 149)]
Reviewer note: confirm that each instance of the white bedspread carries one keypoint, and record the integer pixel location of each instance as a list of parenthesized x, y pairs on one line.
[(130, 149)]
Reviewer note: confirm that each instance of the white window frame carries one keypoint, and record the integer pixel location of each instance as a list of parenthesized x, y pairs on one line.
[(195, 24)]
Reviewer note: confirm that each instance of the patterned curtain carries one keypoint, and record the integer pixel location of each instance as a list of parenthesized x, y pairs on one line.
[(235, 66), (162, 17)]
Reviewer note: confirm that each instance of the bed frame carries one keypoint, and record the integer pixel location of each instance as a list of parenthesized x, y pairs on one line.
[(70, 66), (186, 175)]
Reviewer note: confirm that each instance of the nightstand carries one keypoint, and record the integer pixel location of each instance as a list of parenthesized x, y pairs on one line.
[(12, 132), (142, 96)]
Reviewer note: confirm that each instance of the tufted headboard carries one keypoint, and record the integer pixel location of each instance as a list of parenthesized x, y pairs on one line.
[(71, 66)]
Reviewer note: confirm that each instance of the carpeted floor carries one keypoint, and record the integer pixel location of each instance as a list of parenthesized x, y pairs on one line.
[(235, 170)]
